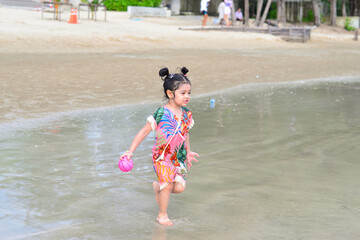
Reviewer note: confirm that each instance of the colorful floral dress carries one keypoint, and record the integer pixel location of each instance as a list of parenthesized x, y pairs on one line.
[(172, 167)]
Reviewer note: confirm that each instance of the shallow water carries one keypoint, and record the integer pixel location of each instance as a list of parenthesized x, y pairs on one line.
[(277, 161)]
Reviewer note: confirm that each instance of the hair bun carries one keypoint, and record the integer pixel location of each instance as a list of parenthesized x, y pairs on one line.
[(184, 70), (164, 72)]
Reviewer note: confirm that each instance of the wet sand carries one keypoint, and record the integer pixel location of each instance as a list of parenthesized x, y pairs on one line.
[(48, 66)]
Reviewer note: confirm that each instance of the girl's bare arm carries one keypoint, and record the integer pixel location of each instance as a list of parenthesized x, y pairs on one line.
[(140, 136)]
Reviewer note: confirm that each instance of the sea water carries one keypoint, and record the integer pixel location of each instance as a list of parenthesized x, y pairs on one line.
[(277, 161)]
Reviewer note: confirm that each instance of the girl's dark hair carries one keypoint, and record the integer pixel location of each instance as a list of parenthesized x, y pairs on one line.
[(173, 81)]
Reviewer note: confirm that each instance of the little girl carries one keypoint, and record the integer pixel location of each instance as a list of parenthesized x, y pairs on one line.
[(171, 151)]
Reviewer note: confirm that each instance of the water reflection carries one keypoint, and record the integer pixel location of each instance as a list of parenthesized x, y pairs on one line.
[(277, 162)]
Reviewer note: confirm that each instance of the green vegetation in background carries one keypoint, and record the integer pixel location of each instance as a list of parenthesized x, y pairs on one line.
[(97, 2), (93, 1), (121, 5), (349, 25), (92, 7), (273, 11), (310, 17)]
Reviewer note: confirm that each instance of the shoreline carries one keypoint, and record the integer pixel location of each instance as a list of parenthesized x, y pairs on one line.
[(48, 117), (49, 66)]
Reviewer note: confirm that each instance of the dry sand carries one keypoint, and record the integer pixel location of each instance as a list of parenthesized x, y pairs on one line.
[(49, 66)]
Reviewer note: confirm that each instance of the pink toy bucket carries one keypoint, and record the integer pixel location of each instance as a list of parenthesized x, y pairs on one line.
[(125, 164)]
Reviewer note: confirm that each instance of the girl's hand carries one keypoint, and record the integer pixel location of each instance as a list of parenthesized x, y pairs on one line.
[(128, 155), (190, 156)]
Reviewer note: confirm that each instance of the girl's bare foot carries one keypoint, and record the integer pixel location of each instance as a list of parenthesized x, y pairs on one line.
[(164, 220), (156, 187)]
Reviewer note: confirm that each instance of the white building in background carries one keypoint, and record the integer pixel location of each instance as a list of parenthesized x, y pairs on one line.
[(75, 2), (190, 6)]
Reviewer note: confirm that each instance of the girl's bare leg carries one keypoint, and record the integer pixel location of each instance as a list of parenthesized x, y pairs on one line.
[(164, 197), (178, 187), (156, 187)]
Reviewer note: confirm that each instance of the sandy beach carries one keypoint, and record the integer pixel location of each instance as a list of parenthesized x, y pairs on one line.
[(49, 66)]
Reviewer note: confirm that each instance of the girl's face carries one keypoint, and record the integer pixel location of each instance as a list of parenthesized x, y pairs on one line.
[(182, 95)]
